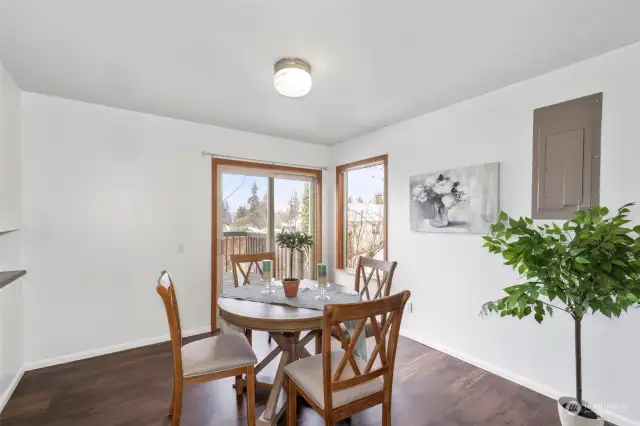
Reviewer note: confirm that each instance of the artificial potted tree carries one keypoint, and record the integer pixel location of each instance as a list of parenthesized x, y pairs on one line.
[(589, 264), (294, 241)]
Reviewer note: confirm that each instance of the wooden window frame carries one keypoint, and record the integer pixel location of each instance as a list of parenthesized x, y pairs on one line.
[(216, 163), (340, 204)]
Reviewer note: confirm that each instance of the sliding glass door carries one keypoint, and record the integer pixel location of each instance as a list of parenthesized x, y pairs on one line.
[(251, 206)]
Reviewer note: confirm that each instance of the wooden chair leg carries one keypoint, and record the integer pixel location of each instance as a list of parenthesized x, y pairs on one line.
[(292, 404), (386, 409), (251, 396), (248, 334), (173, 400), (239, 385), (177, 405), (319, 344)]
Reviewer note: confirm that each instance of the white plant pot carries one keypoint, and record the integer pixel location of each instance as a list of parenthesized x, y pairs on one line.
[(568, 418)]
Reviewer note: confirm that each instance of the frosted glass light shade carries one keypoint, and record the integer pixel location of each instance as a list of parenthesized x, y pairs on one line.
[(292, 77)]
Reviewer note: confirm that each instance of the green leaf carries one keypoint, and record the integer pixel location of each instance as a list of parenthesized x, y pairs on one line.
[(582, 260), (594, 211), (503, 216), (562, 296), (538, 317), (621, 231), (625, 206), (619, 262)]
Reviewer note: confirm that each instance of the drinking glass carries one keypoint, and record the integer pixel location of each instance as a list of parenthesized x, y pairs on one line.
[(322, 282), (266, 278)]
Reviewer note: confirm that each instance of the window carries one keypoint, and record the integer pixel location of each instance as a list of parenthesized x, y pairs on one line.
[(361, 225), (258, 205), (566, 157)]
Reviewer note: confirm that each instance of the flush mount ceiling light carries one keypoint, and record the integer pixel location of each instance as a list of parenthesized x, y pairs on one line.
[(292, 77)]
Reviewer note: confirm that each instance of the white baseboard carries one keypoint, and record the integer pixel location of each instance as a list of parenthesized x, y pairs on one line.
[(111, 349), (12, 387), (610, 416)]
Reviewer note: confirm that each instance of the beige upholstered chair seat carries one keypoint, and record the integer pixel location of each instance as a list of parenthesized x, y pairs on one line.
[(215, 354), (308, 375)]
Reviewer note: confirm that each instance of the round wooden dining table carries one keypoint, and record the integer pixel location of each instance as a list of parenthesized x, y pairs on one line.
[(285, 324)]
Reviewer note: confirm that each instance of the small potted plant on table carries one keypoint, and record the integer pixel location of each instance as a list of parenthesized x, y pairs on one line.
[(294, 241), (589, 264)]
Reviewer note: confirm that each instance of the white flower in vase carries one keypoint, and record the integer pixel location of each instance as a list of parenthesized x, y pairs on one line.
[(418, 190), (462, 193), (430, 181), (443, 187), (448, 201)]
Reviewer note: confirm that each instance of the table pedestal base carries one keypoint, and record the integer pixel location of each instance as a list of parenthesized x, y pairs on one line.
[(292, 349)]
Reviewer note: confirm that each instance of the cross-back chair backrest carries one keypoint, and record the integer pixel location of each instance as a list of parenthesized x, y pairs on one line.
[(379, 272), (251, 261), (386, 337), (167, 292)]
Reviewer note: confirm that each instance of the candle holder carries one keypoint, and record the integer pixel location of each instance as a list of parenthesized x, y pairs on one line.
[(266, 278), (322, 282)]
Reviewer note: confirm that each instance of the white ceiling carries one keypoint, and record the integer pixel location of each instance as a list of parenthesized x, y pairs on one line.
[(375, 62)]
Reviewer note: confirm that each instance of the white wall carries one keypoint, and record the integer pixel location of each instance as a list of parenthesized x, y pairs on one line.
[(110, 197), (9, 152), (11, 300), (451, 276)]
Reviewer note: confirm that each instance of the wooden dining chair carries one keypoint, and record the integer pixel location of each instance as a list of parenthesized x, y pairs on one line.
[(370, 289), (207, 359), (383, 277), (252, 263), (337, 383), (373, 280)]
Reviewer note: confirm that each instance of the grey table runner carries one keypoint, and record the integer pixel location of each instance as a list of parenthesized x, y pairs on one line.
[(306, 299)]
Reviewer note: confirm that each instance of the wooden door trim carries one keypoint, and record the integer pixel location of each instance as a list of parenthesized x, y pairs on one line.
[(218, 162)]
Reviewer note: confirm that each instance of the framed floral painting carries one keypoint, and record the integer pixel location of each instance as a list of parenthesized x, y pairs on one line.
[(464, 200)]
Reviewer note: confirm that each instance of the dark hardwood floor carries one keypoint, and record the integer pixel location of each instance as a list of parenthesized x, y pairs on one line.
[(134, 387)]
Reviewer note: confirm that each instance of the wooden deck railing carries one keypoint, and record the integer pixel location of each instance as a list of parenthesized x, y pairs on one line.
[(244, 242)]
